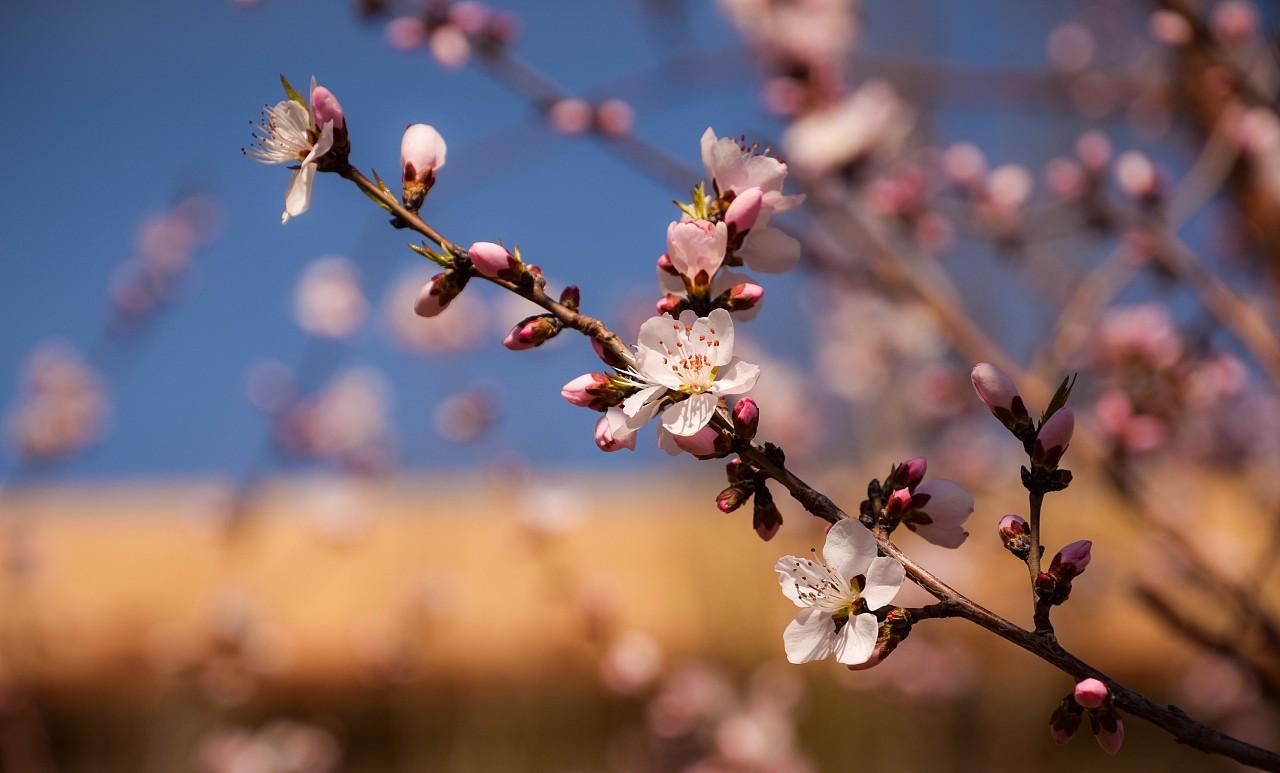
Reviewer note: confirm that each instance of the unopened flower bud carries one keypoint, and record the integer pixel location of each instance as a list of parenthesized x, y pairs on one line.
[(1016, 535), (606, 429), (325, 108), (493, 260), (422, 152), (994, 388), (1091, 693), (1065, 721), (741, 297), (907, 475), (746, 418), (571, 297), (1108, 730), (766, 519), (899, 502), (532, 331), (1054, 437), (437, 293), (670, 304), (738, 471), (1070, 562), (743, 211), (615, 117), (665, 265), (733, 497), (591, 390)]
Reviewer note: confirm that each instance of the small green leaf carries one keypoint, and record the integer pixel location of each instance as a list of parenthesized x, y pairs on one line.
[(685, 208), (376, 200), (381, 184), (1059, 398), (430, 254), (290, 92)]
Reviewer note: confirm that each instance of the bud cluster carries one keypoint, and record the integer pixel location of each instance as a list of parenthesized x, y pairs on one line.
[(747, 482), (936, 510), (1091, 697), (1054, 586)]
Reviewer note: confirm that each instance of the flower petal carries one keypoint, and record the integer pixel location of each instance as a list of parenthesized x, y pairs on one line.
[(688, 416), (736, 379), (297, 199), (770, 251), (635, 404), (849, 548), (810, 636), (857, 640), (655, 367), (719, 324), (884, 579)]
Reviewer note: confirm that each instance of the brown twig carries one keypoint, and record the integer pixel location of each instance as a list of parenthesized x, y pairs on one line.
[(1184, 729)]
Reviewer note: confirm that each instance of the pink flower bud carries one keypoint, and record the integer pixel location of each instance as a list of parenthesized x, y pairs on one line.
[(1091, 693), (570, 116), (437, 294), (590, 390), (1070, 562), (405, 33), (1055, 436), (615, 117), (530, 332), (744, 210), (670, 304), (422, 151), (607, 429), (1065, 721), (913, 470), (325, 107), (766, 519), (746, 418), (741, 297), (449, 45), (493, 260), (899, 502), (664, 264), (993, 387), (1108, 731)]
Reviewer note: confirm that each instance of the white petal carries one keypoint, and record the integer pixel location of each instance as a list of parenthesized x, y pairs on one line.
[(672, 284), (770, 250), (720, 324), (857, 640), (736, 379), (688, 416), (653, 365), (810, 636), (633, 405), (322, 146), (883, 580), (657, 333), (667, 442), (849, 548), (297, 199)]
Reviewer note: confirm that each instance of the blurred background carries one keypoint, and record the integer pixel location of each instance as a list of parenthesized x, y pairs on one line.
[(257, 516)]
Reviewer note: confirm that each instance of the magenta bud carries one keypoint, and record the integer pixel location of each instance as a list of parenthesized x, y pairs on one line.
[(1091, 693), (493, 260), (746, 418), (898, 503), (665, 264), (993, 387), (591, 390), (766, 519), (733, 497), (670, 304), (1070, 562), (914, 470), (1016, 535), (744, 210), (532, 331), (325, 108), (743, 296)]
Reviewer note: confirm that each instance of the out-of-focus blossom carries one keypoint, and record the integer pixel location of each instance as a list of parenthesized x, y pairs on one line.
[(965, 165), (405, 33), (62, 408), (347, 421), (690, 357), (827, 593), (328, 301), (1071, 47), (631, 663), (467, 416), (449, 46), (1170, 28), (1234, 22), (615, 117), (1144, 333), (570, 116), (1136, 175), (282, 746), (688, 696), (870, 123)]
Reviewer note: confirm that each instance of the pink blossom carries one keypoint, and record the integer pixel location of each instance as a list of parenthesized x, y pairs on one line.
[(449, 46), (325, 107), (993, 387), (570, 116), (913, 471), (613, 420), (1091, 693), (696, 248), (615, 117), (405, 33), (939, 510), (1071, 561)]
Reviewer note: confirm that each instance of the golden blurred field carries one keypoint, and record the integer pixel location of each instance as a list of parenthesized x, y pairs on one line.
[(431, 628)]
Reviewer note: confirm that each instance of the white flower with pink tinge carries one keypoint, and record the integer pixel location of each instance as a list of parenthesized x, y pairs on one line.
[(685, 364), (735, 170), (290, 133), (837, 595)]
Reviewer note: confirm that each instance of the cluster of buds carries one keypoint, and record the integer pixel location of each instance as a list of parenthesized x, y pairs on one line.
[(936, 510), (1044, 441), (451, 30), (746, 482), (1054, 586), (1090, 696)]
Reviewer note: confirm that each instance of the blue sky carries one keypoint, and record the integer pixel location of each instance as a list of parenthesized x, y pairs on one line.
[(114, 108)]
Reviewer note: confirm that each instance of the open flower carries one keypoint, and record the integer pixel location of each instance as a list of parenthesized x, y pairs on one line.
[(292, 133), (734, 170), (687, 365), (696, 249), (837, 595)]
